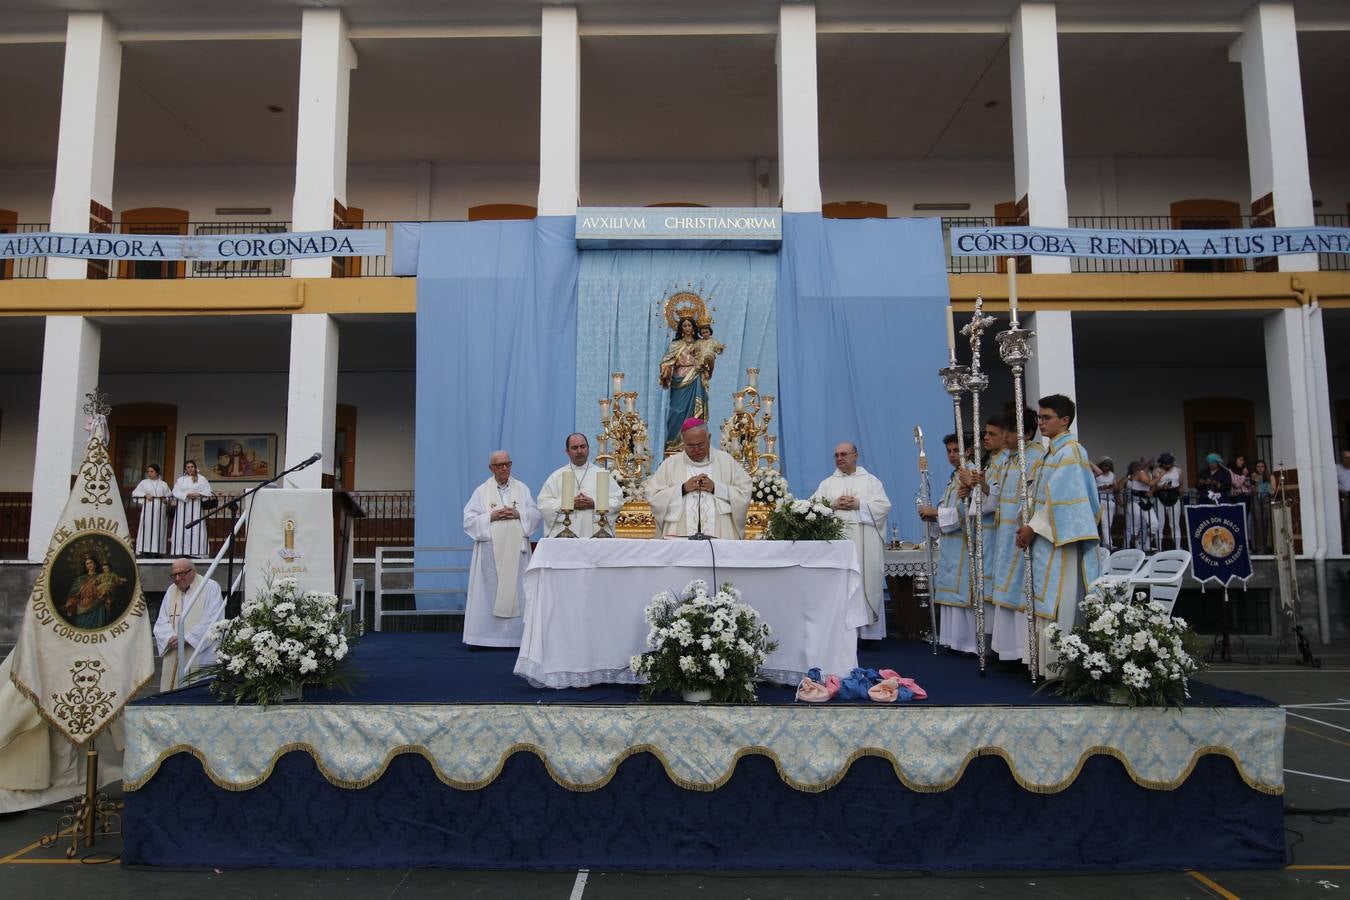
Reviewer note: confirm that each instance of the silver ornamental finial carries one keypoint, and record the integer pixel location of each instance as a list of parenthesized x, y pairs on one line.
[(96, 403)]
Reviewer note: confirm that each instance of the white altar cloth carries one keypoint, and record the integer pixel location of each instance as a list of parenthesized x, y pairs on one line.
[(584, 603)]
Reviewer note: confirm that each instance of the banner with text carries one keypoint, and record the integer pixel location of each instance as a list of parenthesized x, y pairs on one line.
[(1218, 539), (677, 227), (1097, 243), (157, 247)]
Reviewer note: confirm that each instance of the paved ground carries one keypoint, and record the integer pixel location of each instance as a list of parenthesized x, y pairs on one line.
[(1317, 760)]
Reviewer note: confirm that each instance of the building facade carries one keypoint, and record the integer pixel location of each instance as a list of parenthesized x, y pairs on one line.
[(253, 117)]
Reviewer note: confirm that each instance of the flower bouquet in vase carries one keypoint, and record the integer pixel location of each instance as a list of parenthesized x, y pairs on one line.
[(804, 520), (281, 640), (1128, 652), (703, 646)]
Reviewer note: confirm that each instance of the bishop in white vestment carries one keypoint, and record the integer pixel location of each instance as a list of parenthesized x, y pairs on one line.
[(859, 498), (207, 610), (500, 517), (700, 486), (590, 487)]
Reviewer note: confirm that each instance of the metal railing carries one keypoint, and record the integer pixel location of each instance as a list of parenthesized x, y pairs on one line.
[(16, 509), (1136, 519), (404, 573), (31, 267)]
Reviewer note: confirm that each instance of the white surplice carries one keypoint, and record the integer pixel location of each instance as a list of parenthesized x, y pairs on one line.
[(721, 513), (190, 541), (207, 610), (865, 526), (501, 552), (152, 497), (584, 521)]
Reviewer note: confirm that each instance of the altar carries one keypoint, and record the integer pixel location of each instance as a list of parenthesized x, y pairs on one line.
[(584, 603)]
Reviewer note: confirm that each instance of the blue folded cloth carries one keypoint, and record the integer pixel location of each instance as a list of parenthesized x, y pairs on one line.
[(855, 686), (814, 675)]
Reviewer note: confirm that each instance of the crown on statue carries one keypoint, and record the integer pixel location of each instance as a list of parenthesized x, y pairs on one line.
[(687, 304)]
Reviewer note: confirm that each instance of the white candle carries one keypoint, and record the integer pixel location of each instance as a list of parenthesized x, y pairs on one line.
[(1012, 289), (951, 334), (753, 375), (628, 400), (604, 407), (569, 490), (768, 404), (740, 400), (602, 490), (617, 379)]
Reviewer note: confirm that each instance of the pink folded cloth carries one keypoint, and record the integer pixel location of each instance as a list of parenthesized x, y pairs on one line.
[(919, 693), (832, 684), (885, 691), (812, 691)]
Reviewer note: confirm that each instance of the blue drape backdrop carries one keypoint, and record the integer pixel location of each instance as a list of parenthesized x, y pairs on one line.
[(621, 326), (496, 365), (860, 339)]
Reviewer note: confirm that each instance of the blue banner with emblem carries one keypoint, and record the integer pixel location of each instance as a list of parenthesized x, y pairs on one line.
[(1218, 539)]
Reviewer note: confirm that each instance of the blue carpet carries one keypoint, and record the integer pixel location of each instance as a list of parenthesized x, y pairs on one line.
[(437, 668)]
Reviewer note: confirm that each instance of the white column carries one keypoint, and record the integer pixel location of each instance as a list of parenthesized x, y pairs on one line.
[(1272, 94), (559, 112), (798, 119), (86, 147), (70, 355), (311, 397), (1300, 425), (326, 61), (1050, 370), (1038, 134)]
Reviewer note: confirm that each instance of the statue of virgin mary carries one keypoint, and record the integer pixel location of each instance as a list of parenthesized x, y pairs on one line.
[(685, 371)]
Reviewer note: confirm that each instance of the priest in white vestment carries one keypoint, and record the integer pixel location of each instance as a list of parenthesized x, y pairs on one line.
[(500, 517), (589, 486), (859, 498), (207, 610), (699, 487)]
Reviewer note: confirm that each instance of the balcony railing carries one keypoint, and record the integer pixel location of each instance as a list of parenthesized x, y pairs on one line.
[(379, 266), (388, 523)]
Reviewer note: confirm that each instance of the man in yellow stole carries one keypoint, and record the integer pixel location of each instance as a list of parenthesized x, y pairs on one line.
[(500, 516)]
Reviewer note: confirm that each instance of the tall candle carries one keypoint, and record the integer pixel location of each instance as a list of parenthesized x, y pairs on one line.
[(617, 379), (753, 376), (1012, 289), (569, 490), (740, 399), (604, 407), (602, 491), (951, 334), (768, 404)]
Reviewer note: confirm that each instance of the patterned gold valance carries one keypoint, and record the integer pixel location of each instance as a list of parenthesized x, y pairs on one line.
[(929, 747)]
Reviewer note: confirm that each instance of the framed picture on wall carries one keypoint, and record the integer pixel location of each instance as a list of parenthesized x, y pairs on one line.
[(233, 457)]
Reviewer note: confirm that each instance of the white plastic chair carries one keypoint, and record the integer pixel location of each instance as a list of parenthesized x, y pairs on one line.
[(1163, 576), (1123, 563)]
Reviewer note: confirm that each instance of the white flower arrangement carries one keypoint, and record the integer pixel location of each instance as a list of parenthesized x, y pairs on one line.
[(281, 638), (794, 519), (1128, 651), (706, 642), (768, 486)]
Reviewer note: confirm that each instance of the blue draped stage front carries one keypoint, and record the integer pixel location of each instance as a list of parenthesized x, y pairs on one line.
[(518, 331), (446, 759)]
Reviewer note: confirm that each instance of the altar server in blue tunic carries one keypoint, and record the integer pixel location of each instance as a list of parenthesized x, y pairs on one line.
[(956, 628), (1009, 639), (1062, 532), (995, 470)]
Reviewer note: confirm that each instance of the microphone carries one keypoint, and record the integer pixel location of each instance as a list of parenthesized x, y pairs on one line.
[(698, 534), (309, 462)]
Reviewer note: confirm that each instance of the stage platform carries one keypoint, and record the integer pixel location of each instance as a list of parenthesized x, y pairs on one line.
[(443, 757)]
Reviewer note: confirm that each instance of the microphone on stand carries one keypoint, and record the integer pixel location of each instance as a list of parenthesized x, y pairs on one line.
[(698, 534)]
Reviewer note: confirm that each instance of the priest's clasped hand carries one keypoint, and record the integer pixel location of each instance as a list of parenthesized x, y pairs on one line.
[(699, 483), (581, 501), (504, 512), (846, 501)]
